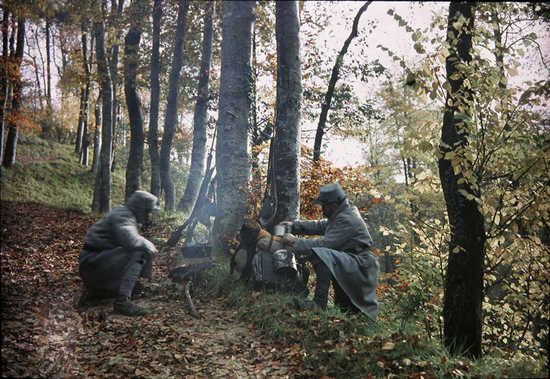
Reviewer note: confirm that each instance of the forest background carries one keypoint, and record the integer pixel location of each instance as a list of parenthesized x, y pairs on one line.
[(85, 75)]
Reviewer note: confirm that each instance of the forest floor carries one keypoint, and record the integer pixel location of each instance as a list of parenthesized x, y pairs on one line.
[(43, 335)]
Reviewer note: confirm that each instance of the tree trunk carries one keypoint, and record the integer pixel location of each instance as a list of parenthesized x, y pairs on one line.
[(84, 86), (232, 163), (48, 66), (170, 118), (287, 120), (84, 151), (97, 136), (200, 118), (102, 198), (13, 133), (4, 76), (116, 11), (155, 93), (462, 313), (137, 134), (325, 106), (85, 129), (47, 129)]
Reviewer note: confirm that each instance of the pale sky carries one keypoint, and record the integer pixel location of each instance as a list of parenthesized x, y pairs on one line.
[(389, 34)]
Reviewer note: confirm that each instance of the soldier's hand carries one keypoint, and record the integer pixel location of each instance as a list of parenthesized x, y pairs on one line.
[(288, 224), (289, 239), (150, 247)]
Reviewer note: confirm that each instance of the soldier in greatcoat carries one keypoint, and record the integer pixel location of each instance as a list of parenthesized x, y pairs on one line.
[(115, 255), (342, 255)]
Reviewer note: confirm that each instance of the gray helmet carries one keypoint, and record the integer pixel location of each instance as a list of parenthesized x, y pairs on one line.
[(331, 193), (143, 201)]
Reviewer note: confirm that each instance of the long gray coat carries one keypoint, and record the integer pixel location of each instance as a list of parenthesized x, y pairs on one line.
[(110, 246), (345, 248)]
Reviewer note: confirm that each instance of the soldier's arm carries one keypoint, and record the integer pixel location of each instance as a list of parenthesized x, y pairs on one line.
[(127, 234), (337, 236), (309, 227)]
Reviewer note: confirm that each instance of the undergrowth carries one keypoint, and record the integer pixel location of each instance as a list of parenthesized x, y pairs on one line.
[(344, 345)]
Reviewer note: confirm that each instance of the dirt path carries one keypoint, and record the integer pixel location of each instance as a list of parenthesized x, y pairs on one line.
[(44, 336)]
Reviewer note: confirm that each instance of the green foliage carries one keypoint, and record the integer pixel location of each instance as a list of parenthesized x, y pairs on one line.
[(342, 345), (48, 173), (505, 161)]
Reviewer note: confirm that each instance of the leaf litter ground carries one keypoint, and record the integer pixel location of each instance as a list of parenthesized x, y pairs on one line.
[(45, 336)]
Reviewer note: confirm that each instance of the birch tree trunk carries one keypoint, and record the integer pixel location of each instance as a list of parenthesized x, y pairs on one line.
[(232, 162)]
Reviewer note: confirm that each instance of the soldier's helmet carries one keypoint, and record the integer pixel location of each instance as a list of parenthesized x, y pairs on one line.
[(330, 193), (143, 202)]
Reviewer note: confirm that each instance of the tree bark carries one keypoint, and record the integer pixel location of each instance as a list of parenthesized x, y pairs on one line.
[(170, 117), (85, 129), (116, 11), (155, 93), (325, 106), (137, 134), (48, 66), (84, 90), (97, 136), (4, 76), (287, 118), (84, 152), (232, 162), (462, 313), (102, 194), (13, 133), (200, 117)]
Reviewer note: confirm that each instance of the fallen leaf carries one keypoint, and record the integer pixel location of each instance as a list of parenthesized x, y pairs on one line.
[(388, 346)]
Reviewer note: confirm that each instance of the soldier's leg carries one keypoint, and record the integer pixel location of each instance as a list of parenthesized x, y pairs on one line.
[(342, 300), (130, 276), (323, 279)]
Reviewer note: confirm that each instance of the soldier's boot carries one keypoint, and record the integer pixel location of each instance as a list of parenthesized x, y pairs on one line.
[(306, 305), (122, 304), (82, 300), (320, 298), (138, 291)]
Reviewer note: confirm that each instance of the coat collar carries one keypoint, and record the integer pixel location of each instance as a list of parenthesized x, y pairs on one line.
[(344, 205)]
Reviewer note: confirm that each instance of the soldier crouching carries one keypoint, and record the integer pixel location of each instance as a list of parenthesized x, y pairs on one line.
[(341, 256), (115, 255)]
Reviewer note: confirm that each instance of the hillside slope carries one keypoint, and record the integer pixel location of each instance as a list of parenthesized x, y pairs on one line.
[(48, 173)]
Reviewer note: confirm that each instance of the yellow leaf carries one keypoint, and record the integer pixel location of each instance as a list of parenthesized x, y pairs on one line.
[(388, 346)]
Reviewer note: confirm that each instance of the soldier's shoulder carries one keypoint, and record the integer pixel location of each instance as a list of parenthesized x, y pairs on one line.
[(121, 211)]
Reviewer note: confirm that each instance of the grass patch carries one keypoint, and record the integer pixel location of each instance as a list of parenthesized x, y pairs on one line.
[(342, 345), (48, 173)]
